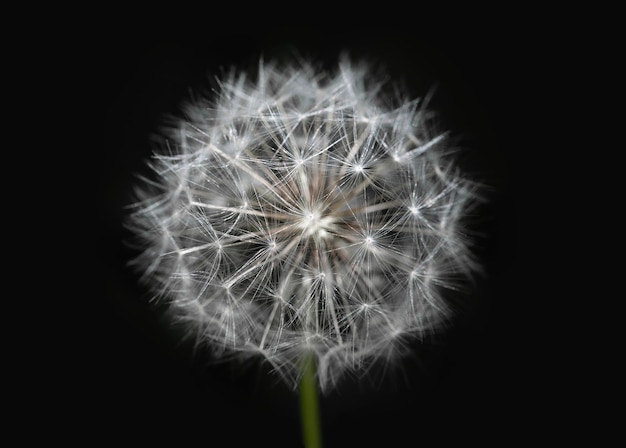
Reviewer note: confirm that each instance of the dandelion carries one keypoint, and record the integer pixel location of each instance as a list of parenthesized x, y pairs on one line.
[(304, 215)]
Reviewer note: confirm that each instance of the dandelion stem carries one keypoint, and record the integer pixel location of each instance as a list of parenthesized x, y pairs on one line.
[(309, 411)]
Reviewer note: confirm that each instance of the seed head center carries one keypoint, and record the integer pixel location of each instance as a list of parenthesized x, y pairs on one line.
[(315, 224)]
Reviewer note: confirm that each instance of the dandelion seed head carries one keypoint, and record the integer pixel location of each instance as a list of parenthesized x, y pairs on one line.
[(299, 213)]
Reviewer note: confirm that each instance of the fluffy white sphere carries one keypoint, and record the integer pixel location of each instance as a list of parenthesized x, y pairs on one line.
[(298, 213)]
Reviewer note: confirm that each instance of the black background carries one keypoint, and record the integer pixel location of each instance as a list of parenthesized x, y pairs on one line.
[(133, 378)]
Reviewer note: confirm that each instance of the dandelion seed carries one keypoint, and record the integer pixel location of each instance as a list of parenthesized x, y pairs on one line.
[(298, 215)]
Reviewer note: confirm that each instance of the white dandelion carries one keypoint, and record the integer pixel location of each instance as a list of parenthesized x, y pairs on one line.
[(301, 213)]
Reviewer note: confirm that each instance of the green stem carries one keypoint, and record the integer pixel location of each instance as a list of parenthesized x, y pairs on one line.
[(309, 411)]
